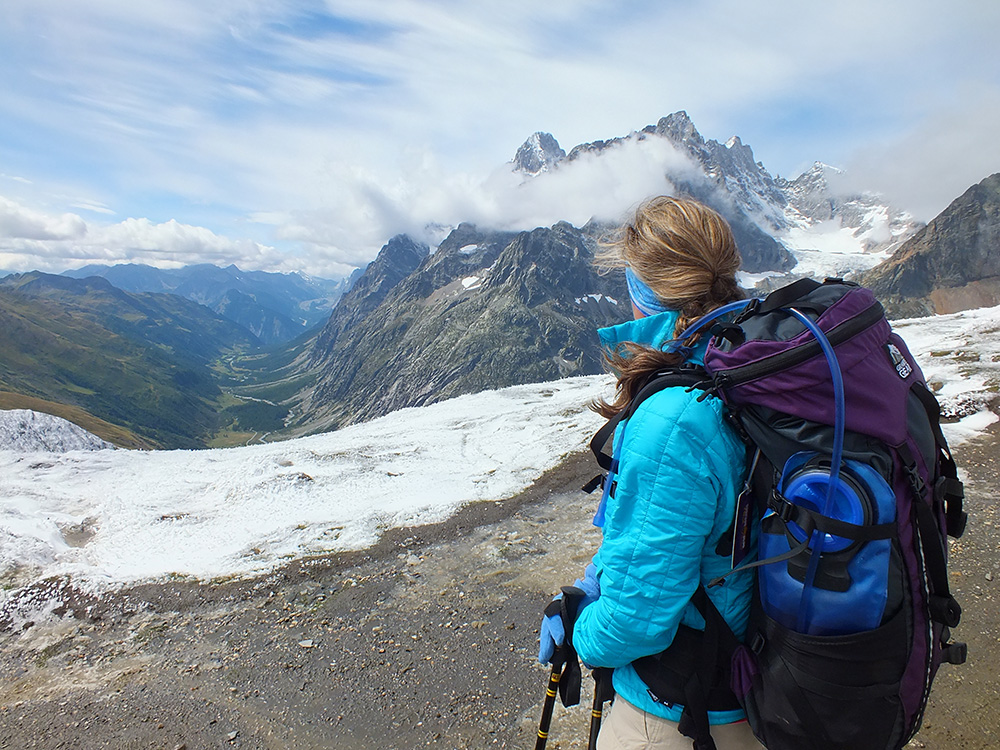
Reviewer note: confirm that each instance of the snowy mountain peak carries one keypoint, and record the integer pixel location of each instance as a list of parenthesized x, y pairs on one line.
[(819, 209), (27, 431), (537, 154), (679, 128), (818, 176), (825, 168)]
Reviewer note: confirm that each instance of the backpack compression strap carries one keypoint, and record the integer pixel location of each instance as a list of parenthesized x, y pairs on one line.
[(949, 489), (949, 492)]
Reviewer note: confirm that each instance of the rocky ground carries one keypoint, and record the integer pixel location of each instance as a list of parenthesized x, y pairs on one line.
[(426, 640)]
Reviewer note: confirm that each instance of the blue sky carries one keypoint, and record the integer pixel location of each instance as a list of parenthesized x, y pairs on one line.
[(301, 135)]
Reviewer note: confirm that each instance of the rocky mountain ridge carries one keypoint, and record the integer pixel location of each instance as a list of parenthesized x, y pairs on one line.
[(952, 264), (485, 310), (733, 182)]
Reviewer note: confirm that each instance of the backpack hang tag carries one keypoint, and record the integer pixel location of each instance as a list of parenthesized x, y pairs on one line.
[(741, 527), (741, 521)]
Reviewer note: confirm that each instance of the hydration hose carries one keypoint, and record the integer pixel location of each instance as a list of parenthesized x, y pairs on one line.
[(839, 417)]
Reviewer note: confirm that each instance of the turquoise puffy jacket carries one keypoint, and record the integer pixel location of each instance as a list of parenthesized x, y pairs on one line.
[(681, 468)]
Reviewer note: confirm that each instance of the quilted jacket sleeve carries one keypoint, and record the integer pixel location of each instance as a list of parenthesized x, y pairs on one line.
[(663, 514)]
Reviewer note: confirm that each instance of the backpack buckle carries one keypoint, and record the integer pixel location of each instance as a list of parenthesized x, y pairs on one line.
[(955, 653), (945, 610), (780, 505), (746, 312)]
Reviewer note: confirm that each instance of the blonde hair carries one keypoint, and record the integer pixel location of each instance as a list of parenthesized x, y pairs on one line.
[(685, 253)]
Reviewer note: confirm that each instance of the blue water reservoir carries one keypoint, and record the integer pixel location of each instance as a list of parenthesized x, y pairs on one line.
[(850, 589)]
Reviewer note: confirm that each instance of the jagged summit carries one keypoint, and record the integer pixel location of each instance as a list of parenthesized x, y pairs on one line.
[(679, 128), (537, 154), (729, 178)]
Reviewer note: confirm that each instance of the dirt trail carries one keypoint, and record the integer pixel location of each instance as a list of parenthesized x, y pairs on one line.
[(426, 640)]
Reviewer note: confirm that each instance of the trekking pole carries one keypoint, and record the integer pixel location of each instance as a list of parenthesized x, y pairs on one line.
[(550, 700), (596, 711), (603, 691)]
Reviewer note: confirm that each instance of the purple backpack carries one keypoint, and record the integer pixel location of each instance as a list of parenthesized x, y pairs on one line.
[(851, 494)]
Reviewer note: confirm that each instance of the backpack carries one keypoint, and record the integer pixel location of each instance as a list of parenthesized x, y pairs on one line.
[(850, 494)]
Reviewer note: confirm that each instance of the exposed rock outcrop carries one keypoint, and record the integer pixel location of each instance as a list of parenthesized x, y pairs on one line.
[(952, 264)]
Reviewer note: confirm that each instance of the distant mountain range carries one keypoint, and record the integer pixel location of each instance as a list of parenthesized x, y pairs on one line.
[(488, 309), (175, 356), (273, 307)]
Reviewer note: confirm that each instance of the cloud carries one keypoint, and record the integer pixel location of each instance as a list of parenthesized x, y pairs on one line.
[(20, 223), (937, 160), (33, 240), (374, 207), (334, 125)]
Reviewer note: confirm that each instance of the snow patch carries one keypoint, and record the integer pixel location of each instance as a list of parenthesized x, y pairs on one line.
[(30, 431), (151, 515), (108, 518), (828, 249), (968, 428), (959, 355), (596, 298)]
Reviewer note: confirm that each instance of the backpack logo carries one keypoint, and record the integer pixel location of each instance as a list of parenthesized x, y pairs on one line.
[(903, 368)]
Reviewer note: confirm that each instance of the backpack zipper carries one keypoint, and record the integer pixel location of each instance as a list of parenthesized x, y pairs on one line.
[(803, 352)]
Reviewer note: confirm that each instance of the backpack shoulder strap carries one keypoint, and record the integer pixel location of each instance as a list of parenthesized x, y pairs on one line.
[(688, 376)]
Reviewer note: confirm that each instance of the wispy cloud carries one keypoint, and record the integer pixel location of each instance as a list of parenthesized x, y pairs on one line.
[(342, 122)]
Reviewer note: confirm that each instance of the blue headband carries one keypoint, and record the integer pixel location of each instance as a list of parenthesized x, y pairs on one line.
[(642, 296)]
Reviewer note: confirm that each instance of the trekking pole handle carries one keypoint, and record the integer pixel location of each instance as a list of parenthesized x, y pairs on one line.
[(550, 700)]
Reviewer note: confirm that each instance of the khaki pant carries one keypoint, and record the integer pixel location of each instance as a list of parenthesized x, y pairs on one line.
[(630, 728)]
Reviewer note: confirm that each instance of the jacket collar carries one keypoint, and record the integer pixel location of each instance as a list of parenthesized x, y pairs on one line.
[(653, 331)]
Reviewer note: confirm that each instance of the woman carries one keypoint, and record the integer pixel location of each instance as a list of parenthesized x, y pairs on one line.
[(680, 470)]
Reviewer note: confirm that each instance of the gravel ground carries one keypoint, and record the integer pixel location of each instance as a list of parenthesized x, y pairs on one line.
[(427, 639)]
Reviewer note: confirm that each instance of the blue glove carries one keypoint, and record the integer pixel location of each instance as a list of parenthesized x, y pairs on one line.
[(550, 637), (589, 585), (552, 634)]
